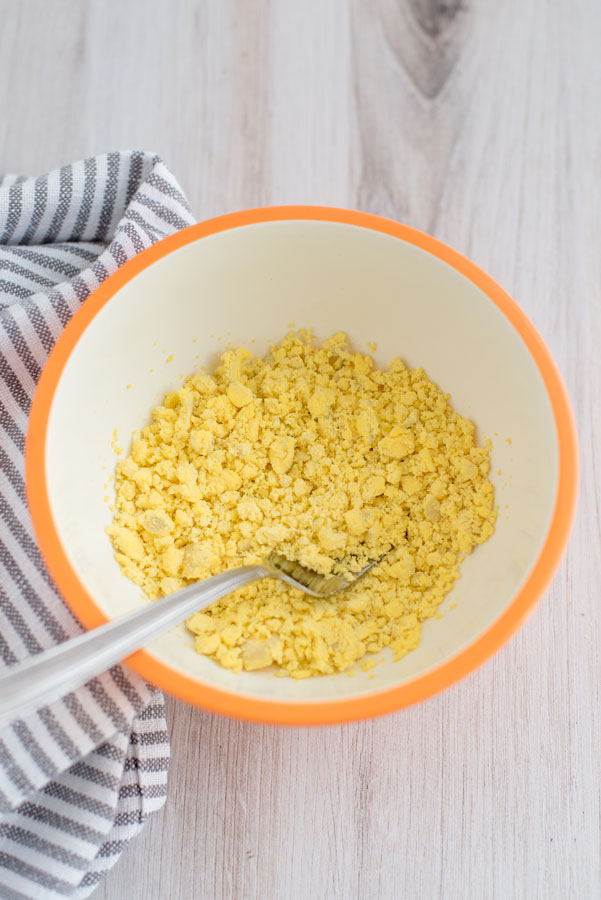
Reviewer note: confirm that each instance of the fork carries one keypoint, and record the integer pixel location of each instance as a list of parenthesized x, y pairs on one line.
[(52, 674)]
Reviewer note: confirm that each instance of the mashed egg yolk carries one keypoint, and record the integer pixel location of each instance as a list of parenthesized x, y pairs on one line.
[(313, 452)]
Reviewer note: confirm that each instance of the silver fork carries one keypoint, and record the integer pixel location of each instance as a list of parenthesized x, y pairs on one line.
[(43, 678)]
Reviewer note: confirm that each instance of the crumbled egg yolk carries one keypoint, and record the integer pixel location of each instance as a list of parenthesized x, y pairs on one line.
[(315, 453)]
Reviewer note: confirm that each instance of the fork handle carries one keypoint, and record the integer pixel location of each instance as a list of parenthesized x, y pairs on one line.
[(52, 674)]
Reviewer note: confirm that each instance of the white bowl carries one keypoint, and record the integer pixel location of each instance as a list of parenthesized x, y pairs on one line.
[(245, 278)]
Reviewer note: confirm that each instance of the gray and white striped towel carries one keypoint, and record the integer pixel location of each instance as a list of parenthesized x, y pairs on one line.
[(78, 778)]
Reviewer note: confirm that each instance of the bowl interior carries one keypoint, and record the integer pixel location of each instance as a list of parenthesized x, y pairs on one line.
[(247, 285)]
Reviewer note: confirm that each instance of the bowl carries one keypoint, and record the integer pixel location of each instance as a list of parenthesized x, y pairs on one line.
[(245, 278)]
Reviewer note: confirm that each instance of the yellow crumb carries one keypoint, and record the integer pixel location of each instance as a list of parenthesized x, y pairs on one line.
[(169, 358), (316, 453), (116, 447), (128, 387)]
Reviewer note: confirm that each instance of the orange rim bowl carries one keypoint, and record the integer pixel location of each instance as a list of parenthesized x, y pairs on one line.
[(340, 710)]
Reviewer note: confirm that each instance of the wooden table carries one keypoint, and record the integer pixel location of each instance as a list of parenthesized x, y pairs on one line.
[(480, 123)]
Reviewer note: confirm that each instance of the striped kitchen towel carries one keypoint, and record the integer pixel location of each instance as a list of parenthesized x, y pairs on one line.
[(77, 778)]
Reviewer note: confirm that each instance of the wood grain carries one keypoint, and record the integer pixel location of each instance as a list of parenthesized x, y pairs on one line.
[(478, 122)]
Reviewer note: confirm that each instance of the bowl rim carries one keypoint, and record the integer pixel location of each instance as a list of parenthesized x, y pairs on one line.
[(325, 711)]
